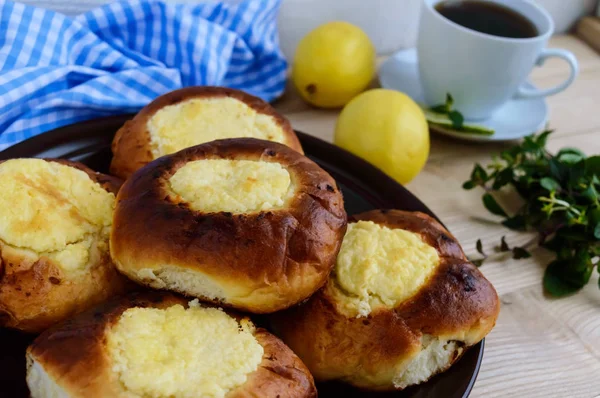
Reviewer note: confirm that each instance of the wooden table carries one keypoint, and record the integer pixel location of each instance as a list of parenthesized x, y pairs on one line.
[(540, 347)]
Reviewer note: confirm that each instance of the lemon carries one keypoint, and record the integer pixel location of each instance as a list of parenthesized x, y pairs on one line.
[(333, 63), (388, 129)]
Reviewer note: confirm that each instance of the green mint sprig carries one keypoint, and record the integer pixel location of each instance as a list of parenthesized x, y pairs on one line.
[(562, 204), (447, 109)]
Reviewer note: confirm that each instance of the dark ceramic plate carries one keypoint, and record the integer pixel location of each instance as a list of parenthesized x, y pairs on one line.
[(364, 188)]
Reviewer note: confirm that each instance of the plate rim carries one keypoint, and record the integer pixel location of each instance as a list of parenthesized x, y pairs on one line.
[(40, 142)]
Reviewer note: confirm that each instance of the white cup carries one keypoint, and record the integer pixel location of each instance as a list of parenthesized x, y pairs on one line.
[(479, 70)]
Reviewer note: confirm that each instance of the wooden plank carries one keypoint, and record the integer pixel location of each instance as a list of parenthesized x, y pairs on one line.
[(542, 348), (588, 30)]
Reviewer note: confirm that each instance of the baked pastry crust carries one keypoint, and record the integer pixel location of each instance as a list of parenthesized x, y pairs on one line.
[(453, 310), (35, 295), (72, 358), (260, 262), (131, 146)]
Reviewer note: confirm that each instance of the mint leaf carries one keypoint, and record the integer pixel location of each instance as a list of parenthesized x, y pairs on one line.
[(455, 116), (594, 216), (468, 185), (554, 284), (579, 269), (477, 262), (479, 247), (479, 175), (568, 275), (446, 107), (457, 119), (503, 178), (440, 109), (573, 235), (570, 151), (542, 138), (519, 253), (517, 222), (591, 194), (503, 245), (592, 166), (570, 155), (574, 173), (558, 171), (493, 207), (550, 184)]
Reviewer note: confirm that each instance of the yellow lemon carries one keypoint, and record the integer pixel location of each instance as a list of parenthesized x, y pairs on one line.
[(388, 129), (333, 63)]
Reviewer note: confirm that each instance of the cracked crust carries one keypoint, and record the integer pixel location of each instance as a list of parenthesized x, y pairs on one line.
[(452, 311), (36, 292), (132, 147), (258, 262), (73, 357)]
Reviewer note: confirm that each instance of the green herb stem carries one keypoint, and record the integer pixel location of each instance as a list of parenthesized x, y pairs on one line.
[(562, 205)]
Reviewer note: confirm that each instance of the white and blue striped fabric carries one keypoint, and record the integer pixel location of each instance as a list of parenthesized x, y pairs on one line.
[(56, 70)]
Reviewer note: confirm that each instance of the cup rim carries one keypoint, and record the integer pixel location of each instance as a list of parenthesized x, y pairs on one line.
[(430, 4)]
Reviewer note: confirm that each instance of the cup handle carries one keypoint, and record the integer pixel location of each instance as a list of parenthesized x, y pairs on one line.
[(548, 53)]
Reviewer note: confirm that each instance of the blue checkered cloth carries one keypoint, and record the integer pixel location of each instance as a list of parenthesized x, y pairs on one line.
[(56, 70)]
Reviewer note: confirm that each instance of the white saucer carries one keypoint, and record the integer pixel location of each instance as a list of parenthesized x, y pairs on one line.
[(516, 119)]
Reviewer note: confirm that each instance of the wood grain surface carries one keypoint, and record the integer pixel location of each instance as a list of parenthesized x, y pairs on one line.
[(588, 29), (540, 347)]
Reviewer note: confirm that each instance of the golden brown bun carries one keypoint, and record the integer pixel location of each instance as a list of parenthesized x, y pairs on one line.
[(73, 359), (132, 147), (36, 294), (260, 262), (393, 348)]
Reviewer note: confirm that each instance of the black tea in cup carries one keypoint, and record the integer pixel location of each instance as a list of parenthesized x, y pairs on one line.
[(488, 17)]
